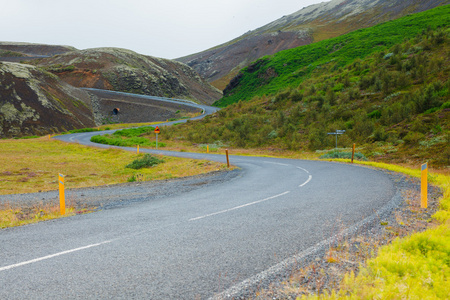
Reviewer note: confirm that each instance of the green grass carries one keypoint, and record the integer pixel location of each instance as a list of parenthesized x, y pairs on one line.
[(128, 138), (293, 66), (146, 161), (33, 165)]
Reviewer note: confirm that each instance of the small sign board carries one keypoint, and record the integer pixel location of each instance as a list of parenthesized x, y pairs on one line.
[(157, 130)]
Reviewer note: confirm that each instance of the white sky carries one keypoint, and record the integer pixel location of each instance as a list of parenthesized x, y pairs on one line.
[(163, 28)]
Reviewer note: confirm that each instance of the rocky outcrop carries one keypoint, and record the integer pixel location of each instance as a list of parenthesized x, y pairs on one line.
[(127, 71), (34, 102), (311, 24)]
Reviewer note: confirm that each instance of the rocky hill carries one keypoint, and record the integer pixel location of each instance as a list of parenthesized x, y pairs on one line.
[(34, 102), (311, 24), (127, 71)]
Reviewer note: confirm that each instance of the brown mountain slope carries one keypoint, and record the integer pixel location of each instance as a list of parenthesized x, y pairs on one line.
[(33, 102), (311, 24), (127, 71)]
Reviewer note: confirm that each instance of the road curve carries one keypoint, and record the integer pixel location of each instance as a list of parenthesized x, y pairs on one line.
[(211, 242)]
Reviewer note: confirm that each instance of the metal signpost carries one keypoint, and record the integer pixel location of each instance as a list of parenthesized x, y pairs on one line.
[(336, 134)]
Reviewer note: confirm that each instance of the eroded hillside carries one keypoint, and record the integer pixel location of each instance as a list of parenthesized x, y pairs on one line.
[(33, 102)]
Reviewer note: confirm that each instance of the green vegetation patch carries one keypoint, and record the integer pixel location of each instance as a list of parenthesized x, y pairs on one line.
[(128, 138), (343, 155), (289, 68), (146, 161)]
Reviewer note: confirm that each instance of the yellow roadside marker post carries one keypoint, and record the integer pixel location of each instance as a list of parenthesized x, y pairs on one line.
[(62, 197), (137, 149), (353, 152), (207, 148), (424, 186)]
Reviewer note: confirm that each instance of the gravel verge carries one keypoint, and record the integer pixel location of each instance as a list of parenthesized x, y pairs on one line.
[(118, 195)]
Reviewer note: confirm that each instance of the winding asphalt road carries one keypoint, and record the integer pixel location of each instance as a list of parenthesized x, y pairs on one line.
[(216, 241)]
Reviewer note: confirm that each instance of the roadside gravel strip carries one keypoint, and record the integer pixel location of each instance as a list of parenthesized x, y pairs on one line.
[(117, 195)]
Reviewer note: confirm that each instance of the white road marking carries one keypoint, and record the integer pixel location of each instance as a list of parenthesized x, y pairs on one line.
[(51, 256), (307, 172), (303, 169), (238, 207), (274, 163), (304, 183)]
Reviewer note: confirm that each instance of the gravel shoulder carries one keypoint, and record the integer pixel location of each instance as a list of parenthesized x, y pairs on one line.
[(114, 196)]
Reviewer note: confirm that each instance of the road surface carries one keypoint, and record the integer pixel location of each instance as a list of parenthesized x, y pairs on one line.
[(211, 242)]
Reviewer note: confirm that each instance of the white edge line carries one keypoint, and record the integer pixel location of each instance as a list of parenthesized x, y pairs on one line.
[(306, 182), (51, 256), (238, 207)]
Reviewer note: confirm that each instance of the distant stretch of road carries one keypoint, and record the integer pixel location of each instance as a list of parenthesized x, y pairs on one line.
[(215, 241)]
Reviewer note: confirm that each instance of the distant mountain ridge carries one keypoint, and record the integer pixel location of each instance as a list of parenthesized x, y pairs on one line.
[(26, 51), (310, 24)]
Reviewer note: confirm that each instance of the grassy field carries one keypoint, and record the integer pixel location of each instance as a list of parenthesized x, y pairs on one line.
[(33, 165)]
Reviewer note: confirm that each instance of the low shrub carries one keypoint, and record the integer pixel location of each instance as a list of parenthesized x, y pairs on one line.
[(343, 155), (146, 161)]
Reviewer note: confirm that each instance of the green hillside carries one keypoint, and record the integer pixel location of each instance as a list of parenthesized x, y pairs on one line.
[(291, 67), (394, 104)]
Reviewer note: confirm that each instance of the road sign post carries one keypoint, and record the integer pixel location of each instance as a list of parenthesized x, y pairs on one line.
[(338, 132), (62, 196), (424, 186), (157, 131)]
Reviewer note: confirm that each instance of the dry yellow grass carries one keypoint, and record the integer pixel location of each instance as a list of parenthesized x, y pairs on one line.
[(33, 165)]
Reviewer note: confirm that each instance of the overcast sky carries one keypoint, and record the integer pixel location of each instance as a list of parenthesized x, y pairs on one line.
[(163, 28)]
